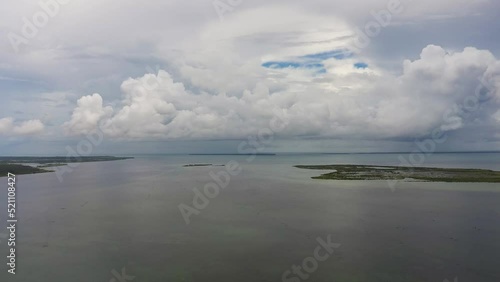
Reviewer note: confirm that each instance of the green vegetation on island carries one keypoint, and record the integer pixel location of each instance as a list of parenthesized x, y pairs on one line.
[(430, 174), (19, 169), (30, 165), (59, 160), (198, 165)]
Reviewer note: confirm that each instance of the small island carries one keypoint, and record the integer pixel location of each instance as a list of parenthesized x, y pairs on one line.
[(200, 165), (429, 174), (30, 165)]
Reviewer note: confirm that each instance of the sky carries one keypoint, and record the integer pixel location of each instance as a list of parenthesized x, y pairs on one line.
[(203, 76)]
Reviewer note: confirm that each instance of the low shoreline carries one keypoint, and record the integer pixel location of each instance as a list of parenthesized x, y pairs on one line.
[(202, 165), (32, 165), (425, 174)]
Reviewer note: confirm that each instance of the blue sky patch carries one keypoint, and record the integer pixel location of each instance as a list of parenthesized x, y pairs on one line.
[(311, 61), (335, 54), (314, 66), (361, 65), (281, 65), (293, 65)]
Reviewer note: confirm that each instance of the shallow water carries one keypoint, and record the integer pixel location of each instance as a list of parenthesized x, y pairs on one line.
[(112, 215)]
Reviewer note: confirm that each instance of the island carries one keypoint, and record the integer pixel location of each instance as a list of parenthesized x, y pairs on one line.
[(200, 165), (30, 165), (429, 174)]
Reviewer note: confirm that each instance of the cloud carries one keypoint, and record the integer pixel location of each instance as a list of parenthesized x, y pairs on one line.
[(10, 128), (224, 80), (59, 54), (346, 102), (496, 116), (86, 115)]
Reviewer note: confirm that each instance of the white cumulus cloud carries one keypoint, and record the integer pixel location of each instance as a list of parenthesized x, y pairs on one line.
[(8, 127), (441, 89), (87, 114)]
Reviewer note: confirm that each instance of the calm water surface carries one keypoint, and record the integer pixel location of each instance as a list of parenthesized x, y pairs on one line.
[(113, 215)]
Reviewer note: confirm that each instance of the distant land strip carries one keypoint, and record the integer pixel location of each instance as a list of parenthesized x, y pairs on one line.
[(30, 165), (256, 154)]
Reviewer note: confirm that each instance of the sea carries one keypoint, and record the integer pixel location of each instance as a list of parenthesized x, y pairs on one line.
[(252, 218)]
